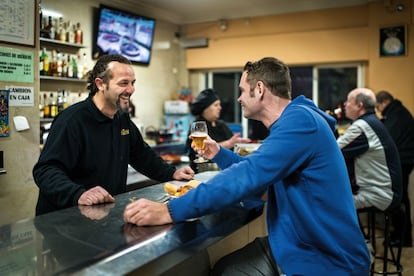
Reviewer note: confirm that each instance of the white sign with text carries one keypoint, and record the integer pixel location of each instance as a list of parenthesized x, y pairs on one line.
[(21, 96)]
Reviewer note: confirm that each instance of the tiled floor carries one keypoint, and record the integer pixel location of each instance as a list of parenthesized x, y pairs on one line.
[(408, 261)]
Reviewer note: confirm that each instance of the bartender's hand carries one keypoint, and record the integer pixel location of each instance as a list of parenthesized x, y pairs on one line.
[(146, 212), (184, 173), (211, 148), (96, 195)]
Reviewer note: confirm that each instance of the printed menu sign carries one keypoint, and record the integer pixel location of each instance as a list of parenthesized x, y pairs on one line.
[(16, 65)]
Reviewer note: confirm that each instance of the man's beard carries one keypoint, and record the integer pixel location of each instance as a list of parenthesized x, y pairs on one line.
[(121, 109)]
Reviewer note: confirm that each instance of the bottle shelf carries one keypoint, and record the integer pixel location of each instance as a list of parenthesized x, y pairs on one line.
[(54, 42), (46, 120), (51, 78)]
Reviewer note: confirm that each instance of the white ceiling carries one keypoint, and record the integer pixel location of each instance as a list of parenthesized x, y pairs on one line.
[(196, 11)]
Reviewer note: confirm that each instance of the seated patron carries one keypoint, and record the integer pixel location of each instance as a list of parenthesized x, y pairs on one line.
[(400, 124), (207, 107), (371, 154)]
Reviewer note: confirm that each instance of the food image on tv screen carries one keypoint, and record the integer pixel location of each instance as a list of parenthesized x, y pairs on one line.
[(125, 34)]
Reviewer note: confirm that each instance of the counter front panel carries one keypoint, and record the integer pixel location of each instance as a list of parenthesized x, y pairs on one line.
[(91, 240)]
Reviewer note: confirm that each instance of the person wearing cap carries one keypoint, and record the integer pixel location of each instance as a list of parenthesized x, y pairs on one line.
[(207, 107)]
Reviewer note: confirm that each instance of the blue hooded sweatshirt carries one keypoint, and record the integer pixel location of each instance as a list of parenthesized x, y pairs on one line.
[(312, 222)]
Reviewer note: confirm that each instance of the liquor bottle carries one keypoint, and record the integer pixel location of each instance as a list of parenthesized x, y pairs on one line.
[(61, 30), (70, 33), (43, 24), (51, 28), (80, 67), (78, 34), (65, 66), (74, 68), (70, 67), (48, 27), (46, 106), (60, 106), (53, 106), (85, 67), (44, 63), (65, 99), (53, 64), (59, 66)]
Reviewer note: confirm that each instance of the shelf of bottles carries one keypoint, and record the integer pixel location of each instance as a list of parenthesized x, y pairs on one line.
[(53, 102), (57, 43), (60, 58)]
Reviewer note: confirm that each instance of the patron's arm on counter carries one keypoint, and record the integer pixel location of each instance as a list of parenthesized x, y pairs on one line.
[(94, 240)]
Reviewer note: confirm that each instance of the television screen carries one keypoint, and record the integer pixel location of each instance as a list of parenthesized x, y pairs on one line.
[(124, 33)]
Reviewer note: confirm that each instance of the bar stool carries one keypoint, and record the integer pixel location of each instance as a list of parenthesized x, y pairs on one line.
[(391, 255)]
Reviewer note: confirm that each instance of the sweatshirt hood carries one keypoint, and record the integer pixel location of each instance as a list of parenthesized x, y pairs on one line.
[(302, 100)]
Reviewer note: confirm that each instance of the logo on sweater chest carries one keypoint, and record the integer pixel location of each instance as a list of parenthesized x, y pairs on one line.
[(124, 131)]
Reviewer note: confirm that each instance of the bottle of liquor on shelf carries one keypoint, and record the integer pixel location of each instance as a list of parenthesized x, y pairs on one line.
[(70, 32), (43, 27), (61, 30), (60, 105), (74, 68), (65, 99), (59, 66), (53, 64), (85, 67), (65, 66), (78, 34), (51, 28), (46, 106), (53, 106), (70, 67), (80, 66), (44, 63)]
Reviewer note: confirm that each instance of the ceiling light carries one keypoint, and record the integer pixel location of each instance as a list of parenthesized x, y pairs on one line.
[(223, 25)]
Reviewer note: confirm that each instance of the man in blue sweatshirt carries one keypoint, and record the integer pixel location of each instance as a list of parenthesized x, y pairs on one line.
[(312, 223)]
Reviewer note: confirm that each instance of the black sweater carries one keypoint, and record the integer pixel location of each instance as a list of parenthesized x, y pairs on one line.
[(85, 149), (400, 124)]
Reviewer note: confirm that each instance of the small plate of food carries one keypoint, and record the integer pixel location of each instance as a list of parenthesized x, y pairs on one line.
[(174, 190)]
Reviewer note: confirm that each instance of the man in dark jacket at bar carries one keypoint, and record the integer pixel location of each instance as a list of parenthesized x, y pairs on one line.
[(400, 124), (86, 155), (375, 166)]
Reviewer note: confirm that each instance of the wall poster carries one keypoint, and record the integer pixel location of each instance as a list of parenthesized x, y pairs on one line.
[(393, 41), (4, 113)]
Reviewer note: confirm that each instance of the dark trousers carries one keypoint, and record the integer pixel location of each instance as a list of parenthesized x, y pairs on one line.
[(399, 218), (253, 259)]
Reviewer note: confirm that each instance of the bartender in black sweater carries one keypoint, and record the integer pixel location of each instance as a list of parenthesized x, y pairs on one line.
[(85, 158)]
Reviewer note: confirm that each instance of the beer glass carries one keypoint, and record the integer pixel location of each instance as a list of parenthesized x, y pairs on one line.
[(198, 135)]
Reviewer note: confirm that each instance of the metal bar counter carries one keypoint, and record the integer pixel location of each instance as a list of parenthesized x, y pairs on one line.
[(94, 240)]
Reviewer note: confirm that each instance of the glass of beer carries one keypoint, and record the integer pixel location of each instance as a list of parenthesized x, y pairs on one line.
[(198, 135)]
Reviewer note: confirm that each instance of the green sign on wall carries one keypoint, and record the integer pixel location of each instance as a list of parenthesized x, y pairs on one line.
[(16, 65)]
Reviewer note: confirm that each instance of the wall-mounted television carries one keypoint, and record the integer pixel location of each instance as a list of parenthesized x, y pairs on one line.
[(124, 33)]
